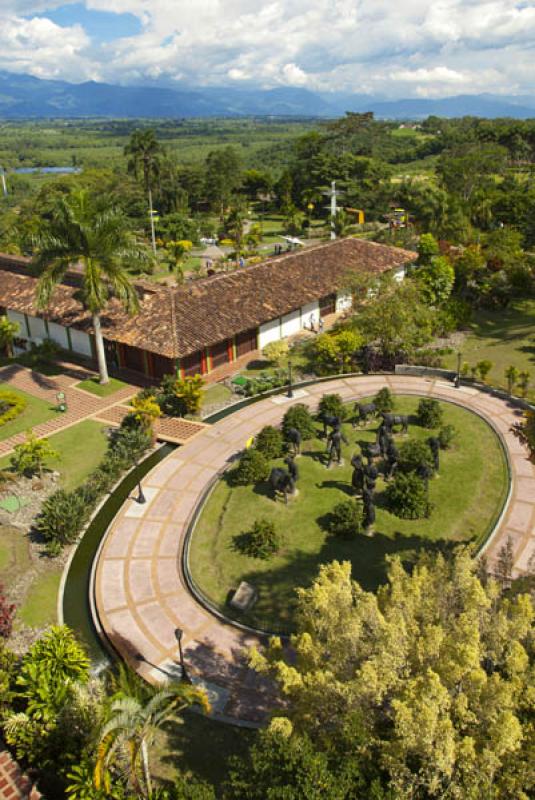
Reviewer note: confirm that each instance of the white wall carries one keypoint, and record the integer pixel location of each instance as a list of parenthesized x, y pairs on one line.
[(269, 332), (14, 316), (37, 328), (80, 342), (58, 334), (343, 301), (291, 323), (307, 311)]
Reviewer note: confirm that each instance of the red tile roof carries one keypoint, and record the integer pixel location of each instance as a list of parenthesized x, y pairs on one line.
[(177, 321)]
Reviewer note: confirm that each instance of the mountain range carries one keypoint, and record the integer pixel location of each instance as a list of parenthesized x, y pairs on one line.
[(23, 96)]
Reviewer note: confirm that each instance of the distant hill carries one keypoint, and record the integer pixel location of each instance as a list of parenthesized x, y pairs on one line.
[(23, 96)]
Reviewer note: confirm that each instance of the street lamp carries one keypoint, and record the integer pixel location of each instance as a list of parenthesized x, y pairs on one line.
[(140, 496), (458, 376), (290, 389), (178, 636)]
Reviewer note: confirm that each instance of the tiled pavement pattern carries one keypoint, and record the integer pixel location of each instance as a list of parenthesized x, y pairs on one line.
[(14, 785), (140, 592)]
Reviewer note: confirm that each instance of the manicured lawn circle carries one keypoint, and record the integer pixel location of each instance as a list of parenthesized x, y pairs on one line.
[(466, 497)]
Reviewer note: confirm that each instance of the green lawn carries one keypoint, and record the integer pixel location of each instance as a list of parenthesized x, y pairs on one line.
[(101, 390), (80, 448), (466, 497), (505, 337), (36, 412), (216, 393), (14, 554), (40, 605)]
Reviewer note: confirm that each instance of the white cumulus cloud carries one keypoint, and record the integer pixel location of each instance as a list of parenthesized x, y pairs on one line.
[(412, 48)]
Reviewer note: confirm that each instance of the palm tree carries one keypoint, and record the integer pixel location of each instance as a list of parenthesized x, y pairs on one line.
[(97, 237), (132, 727), (145, 152)]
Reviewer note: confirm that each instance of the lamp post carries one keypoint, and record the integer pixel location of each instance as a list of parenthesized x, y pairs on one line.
[(178, 636), (290, 388), (140, 496), (458, 376)]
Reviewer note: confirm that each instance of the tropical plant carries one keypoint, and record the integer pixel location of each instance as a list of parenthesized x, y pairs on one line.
[(30, 457), (414, 454), (8, 332), (332, 405), (146, 412), (11, 405), (262, 541), (407, 496), (63, 515), (523, 382), (383, 400), (429, 413), (276, 352), (483, 368), (446, 436), (345, 520), (270, 442), (97, 236), (300, 418), (131, 729), (188, 392), (511, 375), (252, 468), (145, 153)]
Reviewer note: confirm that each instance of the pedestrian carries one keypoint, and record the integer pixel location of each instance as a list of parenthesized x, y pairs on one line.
[(320, 325)]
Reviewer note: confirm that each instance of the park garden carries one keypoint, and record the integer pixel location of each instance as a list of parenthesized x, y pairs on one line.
[(341, 553)]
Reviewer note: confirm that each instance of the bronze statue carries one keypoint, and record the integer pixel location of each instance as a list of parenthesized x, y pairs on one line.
[(294, 438), (334, 445), (292, 468), (281, 481), (434, 444)]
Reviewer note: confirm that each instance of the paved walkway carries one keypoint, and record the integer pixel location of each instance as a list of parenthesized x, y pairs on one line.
[(14, 784), (140, 593)]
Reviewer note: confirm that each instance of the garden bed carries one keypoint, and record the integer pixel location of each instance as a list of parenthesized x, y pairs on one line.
[(467, 498)]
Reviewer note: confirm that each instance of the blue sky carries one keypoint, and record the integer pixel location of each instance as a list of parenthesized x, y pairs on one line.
[(101, 26), (413, 48)]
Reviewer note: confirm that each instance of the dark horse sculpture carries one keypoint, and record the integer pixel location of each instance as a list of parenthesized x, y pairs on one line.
[(281, 481), (396, 419), (363, 412), (329, 421)]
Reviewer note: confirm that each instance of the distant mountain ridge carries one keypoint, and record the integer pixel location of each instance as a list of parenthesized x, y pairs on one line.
[(23, 96)]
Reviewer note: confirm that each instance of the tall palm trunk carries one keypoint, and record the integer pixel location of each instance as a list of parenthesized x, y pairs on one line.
[(101, 354), (145, 768), (152, 231)]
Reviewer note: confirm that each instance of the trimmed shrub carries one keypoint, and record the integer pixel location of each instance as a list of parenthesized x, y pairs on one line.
[(300, 418), (262, 541), (446, 436), (430, 413), (384, 402), (270, 442), (345, 519), (483, 369), (276, 352), (413, 454), (11, 405), (407, 497), (253, 468), (30, 457), (333, 405), (62, 517)]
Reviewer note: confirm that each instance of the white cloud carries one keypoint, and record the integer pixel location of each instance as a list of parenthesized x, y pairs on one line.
[(398, 49)]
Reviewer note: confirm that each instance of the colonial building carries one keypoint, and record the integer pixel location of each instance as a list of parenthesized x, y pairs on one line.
[(203, 324)]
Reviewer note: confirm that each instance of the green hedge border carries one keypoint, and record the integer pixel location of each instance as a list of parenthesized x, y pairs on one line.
[(16, 403)]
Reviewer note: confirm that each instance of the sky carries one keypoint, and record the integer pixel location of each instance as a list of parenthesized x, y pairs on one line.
[(393, 48)]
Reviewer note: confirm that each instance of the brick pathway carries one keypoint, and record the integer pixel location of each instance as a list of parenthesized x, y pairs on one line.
[(140, 593), (14, 784), (80, 404)]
